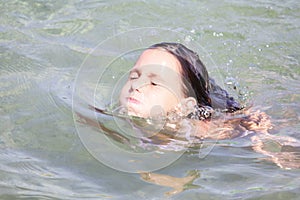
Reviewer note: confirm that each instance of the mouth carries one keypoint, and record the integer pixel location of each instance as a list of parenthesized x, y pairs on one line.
[(133, 100)]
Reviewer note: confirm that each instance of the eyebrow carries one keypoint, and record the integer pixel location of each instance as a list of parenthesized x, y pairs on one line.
[(157, 77), (152, 75)]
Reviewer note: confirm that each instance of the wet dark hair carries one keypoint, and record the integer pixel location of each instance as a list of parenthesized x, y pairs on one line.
[(205, 90)]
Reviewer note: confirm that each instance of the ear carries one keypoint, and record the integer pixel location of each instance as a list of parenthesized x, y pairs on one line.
[(188, 105)]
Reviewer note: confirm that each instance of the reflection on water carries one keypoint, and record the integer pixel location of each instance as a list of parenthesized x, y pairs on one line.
[(42, 46)]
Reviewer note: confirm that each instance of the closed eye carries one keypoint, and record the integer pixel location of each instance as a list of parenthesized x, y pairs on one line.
[(153, 83)]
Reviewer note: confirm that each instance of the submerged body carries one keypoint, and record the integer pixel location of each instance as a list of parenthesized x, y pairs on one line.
[(177, 184)]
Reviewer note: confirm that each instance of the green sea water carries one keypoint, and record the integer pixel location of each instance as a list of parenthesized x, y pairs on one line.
[(253, 45)]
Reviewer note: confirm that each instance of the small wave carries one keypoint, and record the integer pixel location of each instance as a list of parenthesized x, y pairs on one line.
[(32, 177)]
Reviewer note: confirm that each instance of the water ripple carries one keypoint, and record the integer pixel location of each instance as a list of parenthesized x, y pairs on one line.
[(34, 178)]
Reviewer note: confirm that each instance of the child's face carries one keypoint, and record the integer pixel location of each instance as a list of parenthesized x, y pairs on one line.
[(154, 84)]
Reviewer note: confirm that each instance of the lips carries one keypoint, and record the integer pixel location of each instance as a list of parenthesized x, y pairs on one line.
[(133, 100)]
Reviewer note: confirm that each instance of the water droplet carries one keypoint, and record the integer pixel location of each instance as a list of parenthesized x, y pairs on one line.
[(229, 80), (217, 34), (188, 38)]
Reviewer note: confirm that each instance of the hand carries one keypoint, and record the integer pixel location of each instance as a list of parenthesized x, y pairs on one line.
[(257, 121)]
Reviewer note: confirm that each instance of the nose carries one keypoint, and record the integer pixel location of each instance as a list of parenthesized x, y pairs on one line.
[(138, 83)]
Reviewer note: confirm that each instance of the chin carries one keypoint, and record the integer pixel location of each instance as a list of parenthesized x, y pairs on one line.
[(136, 113), (133, 109)]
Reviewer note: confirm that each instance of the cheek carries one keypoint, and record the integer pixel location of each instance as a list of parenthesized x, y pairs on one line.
[(123, 91), (165, 99)]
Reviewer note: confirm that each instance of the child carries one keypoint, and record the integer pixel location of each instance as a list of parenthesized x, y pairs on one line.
[(168, 78), (170, 82)]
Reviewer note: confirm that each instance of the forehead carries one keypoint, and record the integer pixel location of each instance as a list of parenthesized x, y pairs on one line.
[(158, 57)]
